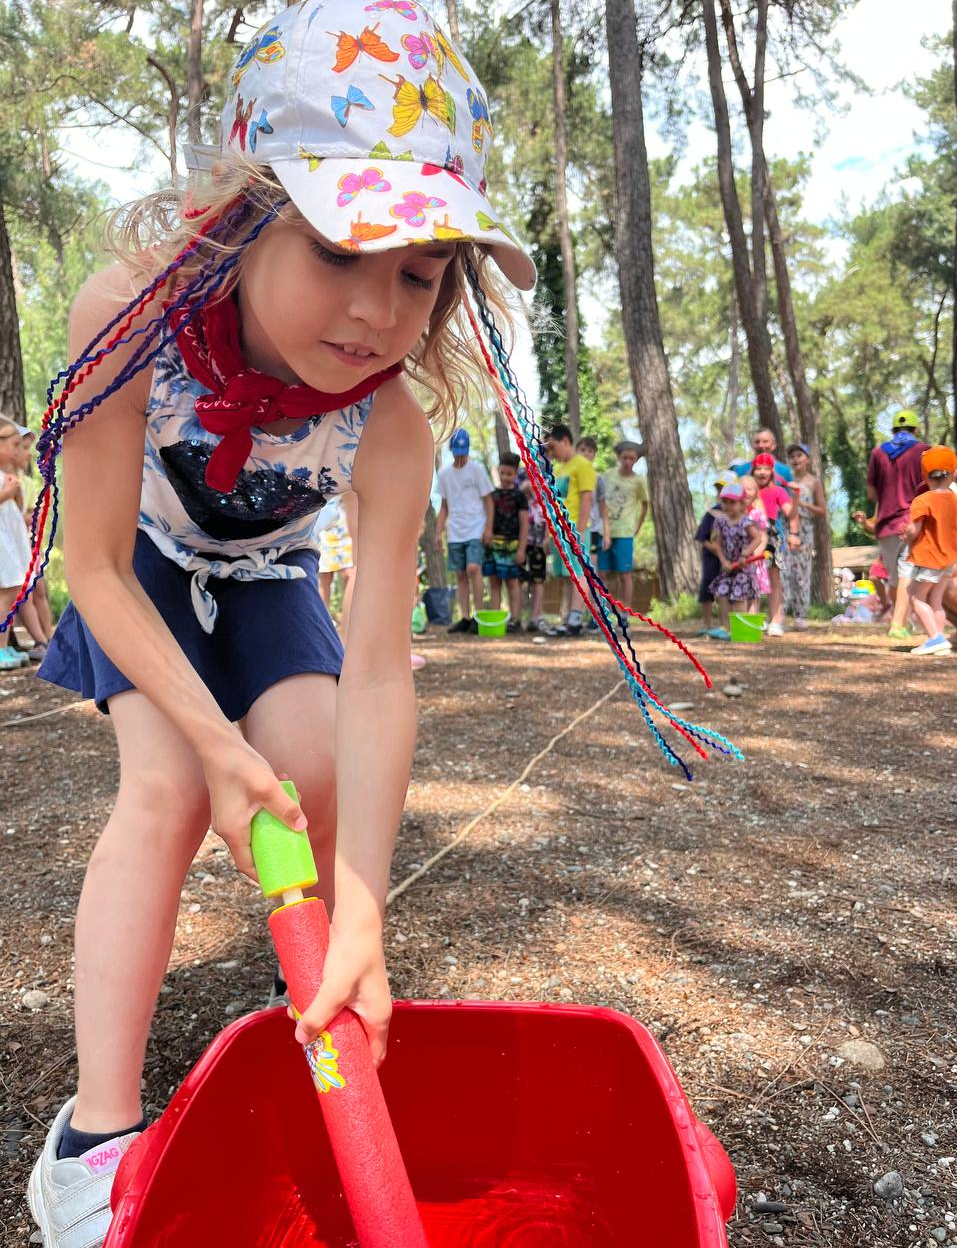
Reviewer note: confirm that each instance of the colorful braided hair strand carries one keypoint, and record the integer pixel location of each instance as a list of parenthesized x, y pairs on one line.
[(606, 610), (156, 335)]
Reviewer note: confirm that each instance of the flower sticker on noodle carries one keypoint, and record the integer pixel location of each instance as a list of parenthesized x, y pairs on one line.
[(323, 1062), (414, 205)]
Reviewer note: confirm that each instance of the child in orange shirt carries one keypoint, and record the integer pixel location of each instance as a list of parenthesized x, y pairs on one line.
[(932, 538)]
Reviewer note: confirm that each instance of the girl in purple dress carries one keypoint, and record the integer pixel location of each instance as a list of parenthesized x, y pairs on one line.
[(737, 538)]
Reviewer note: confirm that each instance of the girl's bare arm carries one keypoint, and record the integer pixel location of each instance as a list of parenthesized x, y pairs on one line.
[(102, 476), (375, 718)]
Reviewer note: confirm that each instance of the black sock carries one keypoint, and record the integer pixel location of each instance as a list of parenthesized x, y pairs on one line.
[(75, 1143)]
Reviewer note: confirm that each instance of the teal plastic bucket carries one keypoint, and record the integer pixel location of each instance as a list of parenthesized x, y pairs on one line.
[(491, 623)]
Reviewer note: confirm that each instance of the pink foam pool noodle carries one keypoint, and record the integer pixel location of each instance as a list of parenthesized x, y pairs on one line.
[(371, 1168)]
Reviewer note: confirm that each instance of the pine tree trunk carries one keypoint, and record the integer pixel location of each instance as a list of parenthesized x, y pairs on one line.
[(753, 104), (12, 402), (195, 86), (667, 478), (755, 326), (564, 232), (452, 10)]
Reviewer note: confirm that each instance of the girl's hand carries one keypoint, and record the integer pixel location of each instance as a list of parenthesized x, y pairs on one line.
[(241, 783), (794, 542), (353, 976)]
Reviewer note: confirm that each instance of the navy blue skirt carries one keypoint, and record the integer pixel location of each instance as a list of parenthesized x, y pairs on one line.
[(265, 630)]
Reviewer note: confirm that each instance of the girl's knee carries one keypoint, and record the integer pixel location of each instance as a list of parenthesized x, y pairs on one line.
[(163, 805)]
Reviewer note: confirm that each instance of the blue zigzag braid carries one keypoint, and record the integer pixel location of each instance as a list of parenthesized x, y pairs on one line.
[(199, 290), (598, 604), (227, 222)]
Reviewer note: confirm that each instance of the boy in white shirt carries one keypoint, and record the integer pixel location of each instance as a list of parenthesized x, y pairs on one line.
[(466, 493)]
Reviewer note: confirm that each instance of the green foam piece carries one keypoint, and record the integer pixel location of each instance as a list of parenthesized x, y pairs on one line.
[(283, 857)]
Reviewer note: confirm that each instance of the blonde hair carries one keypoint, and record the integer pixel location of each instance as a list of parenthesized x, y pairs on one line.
[(446, 363), (755, 502)]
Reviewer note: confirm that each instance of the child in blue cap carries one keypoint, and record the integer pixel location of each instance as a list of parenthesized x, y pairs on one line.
[(466, 511)]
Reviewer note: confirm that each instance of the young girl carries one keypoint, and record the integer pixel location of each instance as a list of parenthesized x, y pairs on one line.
[(29, 487), (737, 538), (758, 516), (808, 501), (259, 349), (14, 551), (779, 509)]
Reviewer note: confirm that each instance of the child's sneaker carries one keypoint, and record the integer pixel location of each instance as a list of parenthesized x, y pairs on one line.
[(463, 626), (70, 1199), (933, 645), (775, 630), (12, 660), (899, 633)]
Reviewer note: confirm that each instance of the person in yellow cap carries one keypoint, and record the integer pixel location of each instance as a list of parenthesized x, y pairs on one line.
[(932, 537), (893, 478)]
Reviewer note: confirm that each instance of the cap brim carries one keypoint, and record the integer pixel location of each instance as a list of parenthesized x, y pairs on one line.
[(376, 205)]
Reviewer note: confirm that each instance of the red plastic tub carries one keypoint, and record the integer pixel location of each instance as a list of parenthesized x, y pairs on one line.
[(522, 1126)]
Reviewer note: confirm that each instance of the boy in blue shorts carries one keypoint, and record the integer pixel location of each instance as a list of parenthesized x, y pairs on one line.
[(505, 554), (466, 493), (627, 509)]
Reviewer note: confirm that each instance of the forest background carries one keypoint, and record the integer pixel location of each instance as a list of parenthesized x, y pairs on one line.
[(689, 288)]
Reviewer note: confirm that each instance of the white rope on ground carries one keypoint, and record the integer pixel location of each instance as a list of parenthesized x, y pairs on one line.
[(28, 719), (460, 836)]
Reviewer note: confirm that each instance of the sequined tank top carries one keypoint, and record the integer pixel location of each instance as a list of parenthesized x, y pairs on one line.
[(285, 482)]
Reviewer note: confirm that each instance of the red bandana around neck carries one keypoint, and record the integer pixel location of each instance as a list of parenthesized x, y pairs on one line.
[(208, 340)]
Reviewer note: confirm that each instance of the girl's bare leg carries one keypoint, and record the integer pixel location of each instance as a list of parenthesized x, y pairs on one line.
[(42, 600), (494, 592), (538, 600), (776, 598), (293, 726), (515, 598), (29, 617), (126, 919), (919, 594), (8, 597)]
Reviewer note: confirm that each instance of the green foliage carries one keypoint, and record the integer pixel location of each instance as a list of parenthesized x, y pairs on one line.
[(681, 609)]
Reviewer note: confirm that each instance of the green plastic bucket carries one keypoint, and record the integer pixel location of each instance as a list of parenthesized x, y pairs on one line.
[(746, 627), (491, 623)]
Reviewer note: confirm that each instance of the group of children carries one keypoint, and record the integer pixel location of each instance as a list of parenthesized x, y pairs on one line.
[(17, 498), (757, 542), (499, 533)]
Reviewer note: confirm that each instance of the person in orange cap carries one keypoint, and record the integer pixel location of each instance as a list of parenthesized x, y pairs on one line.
[(932, 537)]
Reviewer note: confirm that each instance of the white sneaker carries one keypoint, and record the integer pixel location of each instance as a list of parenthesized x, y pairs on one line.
[(775, 630), (70, 1199), (933, 645)]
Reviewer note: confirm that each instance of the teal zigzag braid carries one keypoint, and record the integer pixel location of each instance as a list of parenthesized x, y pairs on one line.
[(606, 610)]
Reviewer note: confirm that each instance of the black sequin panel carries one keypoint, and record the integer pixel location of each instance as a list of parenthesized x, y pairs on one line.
[(262, 501)]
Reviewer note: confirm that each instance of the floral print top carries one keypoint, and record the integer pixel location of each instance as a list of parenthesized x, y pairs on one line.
[(286, 481)]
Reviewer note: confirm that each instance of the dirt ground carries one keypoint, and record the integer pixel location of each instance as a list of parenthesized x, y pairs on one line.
[(757, 920)]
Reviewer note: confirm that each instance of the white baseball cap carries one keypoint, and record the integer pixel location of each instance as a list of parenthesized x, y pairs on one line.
[(375, 125)]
